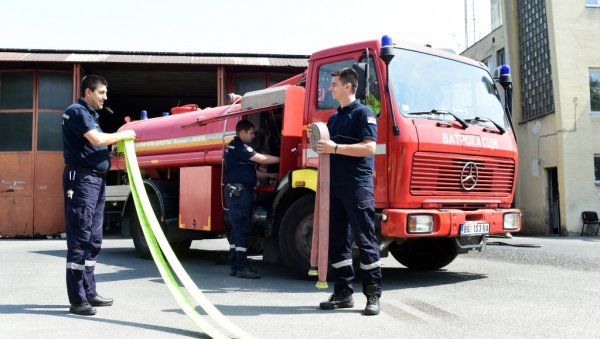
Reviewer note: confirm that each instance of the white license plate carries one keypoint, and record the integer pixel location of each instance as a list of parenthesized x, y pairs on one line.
[(474, 228)]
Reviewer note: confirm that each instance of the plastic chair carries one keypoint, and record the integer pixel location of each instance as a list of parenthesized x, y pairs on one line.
[(590, 218)]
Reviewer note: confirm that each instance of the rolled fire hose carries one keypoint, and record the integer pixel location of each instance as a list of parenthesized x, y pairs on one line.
[(159, 246), (319, 253)]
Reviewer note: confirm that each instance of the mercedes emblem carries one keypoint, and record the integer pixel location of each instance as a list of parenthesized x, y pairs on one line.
[(469, 176)]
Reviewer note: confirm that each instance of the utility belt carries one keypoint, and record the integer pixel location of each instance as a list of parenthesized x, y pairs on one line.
[(236, 189), (86, 170)]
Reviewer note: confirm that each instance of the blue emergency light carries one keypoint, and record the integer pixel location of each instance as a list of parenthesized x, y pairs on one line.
[(386, 40), (502, 75)]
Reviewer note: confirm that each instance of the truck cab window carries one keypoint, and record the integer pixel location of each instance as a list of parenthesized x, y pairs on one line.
[(374, 99), (324, 99)]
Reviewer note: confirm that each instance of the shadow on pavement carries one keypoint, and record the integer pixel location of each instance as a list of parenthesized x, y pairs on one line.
[(209, 268), (62, 311)]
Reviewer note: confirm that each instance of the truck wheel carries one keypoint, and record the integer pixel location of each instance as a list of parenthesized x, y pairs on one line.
[(139, 241), (425, 254), (295, 234)]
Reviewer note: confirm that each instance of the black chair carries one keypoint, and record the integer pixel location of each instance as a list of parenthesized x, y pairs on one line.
[(590, 218)]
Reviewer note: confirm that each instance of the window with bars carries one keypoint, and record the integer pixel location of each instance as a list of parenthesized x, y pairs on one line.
[(537, 95)]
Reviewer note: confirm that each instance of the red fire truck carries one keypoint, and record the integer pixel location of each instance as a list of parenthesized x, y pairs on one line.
[(445, 163)]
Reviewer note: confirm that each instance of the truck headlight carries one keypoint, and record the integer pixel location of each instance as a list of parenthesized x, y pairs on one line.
[(420, 223), (512, 221)]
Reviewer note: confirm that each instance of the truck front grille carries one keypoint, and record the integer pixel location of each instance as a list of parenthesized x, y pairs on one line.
[(445, 174)]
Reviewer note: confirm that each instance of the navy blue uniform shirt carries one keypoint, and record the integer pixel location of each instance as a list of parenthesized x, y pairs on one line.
[(350, 125), (238, 167), (78, 119)]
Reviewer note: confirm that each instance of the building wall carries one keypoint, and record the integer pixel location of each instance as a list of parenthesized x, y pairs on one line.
[(575, 48), (568, 137)]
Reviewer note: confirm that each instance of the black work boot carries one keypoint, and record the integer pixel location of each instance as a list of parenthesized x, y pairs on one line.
[(247, 273), (98, 300), (372, 307), (83, 308), (343, 299)]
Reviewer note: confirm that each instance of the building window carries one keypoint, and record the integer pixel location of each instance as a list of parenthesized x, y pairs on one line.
[(597, 168), (496, 13), (489, 64), (592, 3), (16, 90), (500, 58), (16, 131), (595, 91)]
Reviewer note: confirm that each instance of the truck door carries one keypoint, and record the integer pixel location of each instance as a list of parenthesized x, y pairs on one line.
[(321, 105)]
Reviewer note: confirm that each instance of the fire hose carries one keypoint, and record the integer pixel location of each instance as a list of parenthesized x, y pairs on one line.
[(165, 258), (319, 253)]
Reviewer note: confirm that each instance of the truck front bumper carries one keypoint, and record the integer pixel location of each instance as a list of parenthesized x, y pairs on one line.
[(415, 223)]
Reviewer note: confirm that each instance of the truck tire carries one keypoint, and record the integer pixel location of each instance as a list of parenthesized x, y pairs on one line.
[(295, 234), (139, 241), (425, 254)]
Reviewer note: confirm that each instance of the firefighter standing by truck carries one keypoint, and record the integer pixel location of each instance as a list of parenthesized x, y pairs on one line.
[(240, 178), (353, 132), (87, 161)]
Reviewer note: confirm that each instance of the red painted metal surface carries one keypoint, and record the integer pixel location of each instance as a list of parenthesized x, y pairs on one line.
[(199, 206), (447, 222), (440, 174)]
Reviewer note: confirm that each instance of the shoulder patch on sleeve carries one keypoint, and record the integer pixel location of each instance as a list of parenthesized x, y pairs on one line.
[(249, 149), (372, 120)]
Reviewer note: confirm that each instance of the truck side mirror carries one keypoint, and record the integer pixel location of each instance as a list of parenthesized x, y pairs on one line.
[(361, 70)]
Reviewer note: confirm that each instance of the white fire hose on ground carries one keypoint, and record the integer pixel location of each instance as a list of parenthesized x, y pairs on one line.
[(161, 250)]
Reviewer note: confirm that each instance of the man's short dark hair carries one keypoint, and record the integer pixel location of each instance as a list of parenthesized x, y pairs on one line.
[(91, 81), (243, 125), (347, 75)]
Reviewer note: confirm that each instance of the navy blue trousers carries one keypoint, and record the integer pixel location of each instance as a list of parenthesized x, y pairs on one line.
[(352, 217), (240, 214), (84, 214)]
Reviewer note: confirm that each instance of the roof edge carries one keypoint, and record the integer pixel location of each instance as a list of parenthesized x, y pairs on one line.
[(198, 54)]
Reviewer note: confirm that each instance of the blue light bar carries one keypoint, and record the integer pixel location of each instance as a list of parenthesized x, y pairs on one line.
[(386, 40), (504, 70)]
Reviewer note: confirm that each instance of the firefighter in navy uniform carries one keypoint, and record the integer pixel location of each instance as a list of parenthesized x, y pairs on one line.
[(87, 161), (353, 133), (240, 178)]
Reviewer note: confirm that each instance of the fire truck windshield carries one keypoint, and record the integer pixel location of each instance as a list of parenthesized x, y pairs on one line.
[(424, 83)]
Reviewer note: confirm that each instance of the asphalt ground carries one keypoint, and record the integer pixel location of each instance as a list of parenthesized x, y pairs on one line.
[(526, 287)]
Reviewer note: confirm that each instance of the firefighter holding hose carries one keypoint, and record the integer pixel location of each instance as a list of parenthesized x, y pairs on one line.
[(353, 133)]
